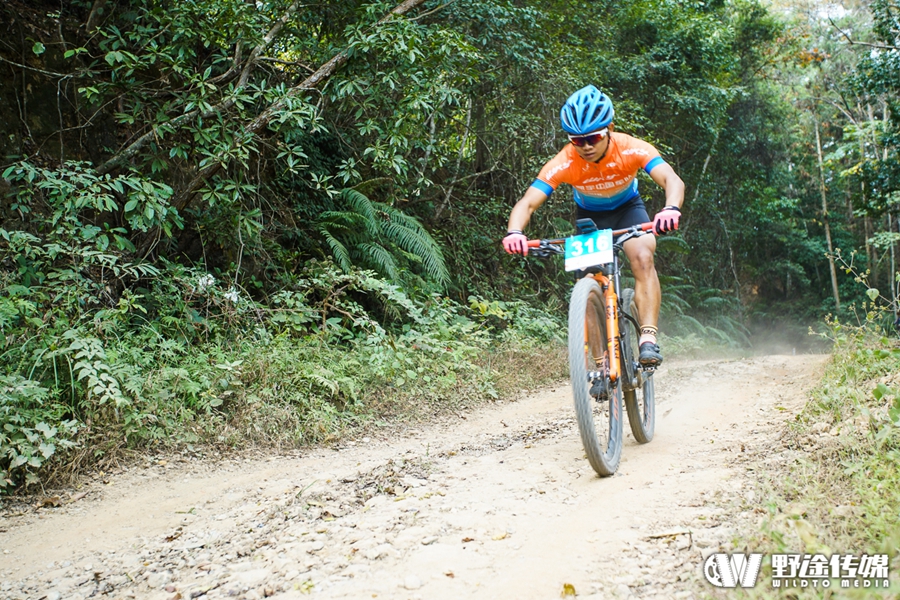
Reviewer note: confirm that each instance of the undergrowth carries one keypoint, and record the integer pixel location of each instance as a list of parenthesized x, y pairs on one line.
[(100, 357), (840, 493)]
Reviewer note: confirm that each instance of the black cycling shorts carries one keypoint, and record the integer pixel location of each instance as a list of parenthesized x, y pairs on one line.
[(631, 213)]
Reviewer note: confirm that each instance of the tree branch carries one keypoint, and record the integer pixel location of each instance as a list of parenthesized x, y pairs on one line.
[(290, 63), (264, 118), (50, 73), (188, 117), (851, 42), (94, 16), (181, 201)]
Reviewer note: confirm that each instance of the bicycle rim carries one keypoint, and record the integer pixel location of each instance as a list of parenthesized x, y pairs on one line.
[(599, 421), (640, 402)]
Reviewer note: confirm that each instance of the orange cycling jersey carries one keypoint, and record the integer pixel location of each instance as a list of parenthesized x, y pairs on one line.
[(605, 184)]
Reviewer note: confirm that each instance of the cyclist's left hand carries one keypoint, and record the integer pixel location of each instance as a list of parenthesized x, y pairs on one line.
[(515, 242), (666, 220)]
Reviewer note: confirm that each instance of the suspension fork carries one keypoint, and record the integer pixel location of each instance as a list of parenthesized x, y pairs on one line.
[(612, 325)]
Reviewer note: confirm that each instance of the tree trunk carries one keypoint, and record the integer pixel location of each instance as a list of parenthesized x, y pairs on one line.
[(462, 149), (834, 284), (867, 228), (892, 275)]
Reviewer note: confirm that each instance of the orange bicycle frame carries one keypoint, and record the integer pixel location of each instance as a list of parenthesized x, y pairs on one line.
[(612, 324), (611, 300)]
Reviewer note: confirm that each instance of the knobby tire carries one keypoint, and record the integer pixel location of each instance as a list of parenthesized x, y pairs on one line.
[(600, 423), (640, 402)]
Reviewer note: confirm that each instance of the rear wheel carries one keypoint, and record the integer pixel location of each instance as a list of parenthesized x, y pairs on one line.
[(598, 405), (639, 397)]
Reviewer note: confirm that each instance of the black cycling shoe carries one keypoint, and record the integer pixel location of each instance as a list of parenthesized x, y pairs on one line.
[(650, 355)]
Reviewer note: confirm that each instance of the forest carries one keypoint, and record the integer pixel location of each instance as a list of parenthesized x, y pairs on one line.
[(234, 222)]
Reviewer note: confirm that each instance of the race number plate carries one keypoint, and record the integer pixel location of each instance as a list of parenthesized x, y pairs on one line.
[(589, 249)]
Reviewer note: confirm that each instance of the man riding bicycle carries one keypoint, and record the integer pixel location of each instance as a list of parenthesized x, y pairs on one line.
[(602, 168)]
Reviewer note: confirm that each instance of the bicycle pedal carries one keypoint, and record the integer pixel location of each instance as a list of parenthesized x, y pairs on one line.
[(598, 390)]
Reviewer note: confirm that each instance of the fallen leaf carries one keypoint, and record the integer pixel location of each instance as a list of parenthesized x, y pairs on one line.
[(468, 539), (77, 497), (450, 574), (500, 536), (174, 536), (568, 590), (50, 501)]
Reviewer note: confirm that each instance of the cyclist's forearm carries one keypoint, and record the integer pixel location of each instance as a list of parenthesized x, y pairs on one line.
[(675, 192), (519, 217), (524, 208), (664, 175)]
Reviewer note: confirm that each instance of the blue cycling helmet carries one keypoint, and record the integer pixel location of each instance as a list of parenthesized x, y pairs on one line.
[(586, 110)]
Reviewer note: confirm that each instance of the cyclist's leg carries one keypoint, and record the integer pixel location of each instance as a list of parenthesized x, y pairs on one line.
[(646, 282), (640, 255), (646, 296)]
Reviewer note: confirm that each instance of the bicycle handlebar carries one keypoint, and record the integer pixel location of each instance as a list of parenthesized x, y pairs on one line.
[(634, 230)]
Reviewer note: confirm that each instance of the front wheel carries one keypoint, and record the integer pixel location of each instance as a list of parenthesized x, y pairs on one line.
[(639, 397), (598, 404)]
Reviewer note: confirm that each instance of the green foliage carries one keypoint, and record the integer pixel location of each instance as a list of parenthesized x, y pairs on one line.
[(75, 189), (32, 430), (186, 357), (161, 253), (374, 235), (850, 476)]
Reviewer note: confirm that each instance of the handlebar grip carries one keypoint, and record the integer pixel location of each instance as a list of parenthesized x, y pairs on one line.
[(534, 243)]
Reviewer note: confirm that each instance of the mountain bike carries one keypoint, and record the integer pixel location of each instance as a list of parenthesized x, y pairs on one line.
[(604, 330)]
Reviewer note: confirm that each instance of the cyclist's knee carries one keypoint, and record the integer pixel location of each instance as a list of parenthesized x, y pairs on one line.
[(642, 262)]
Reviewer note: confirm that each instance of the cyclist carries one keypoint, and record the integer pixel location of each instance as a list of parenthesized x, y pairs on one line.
[(602, 167)]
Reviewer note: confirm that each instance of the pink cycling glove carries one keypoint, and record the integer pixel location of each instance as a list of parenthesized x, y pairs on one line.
[(666, 220), (515, 242)]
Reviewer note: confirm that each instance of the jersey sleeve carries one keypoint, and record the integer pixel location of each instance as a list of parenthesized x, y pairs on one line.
[(553, 173), (645, 155)]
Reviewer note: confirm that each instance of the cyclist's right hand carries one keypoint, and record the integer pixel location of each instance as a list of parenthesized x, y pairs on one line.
[(515, 242)]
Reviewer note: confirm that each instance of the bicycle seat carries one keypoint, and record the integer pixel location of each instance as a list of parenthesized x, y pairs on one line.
[(585, 226)]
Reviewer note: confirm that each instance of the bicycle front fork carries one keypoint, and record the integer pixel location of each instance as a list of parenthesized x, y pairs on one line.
[(612, 326)]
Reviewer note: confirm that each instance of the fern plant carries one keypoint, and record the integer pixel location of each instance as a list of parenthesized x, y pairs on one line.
[(377, 236)]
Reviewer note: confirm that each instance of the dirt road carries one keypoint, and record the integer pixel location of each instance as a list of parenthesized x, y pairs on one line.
[(499, 503)]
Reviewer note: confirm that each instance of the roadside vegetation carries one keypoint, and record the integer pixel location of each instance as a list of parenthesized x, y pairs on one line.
[(183, 358), (230, 222), (838, 491)]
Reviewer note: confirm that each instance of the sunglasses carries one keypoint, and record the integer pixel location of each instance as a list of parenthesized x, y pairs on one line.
[(590, 139)]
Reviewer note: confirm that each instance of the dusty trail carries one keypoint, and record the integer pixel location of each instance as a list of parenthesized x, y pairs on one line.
[(499, 504)]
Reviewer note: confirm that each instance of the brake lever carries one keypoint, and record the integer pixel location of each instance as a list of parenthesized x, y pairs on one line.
[(546, 249)]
